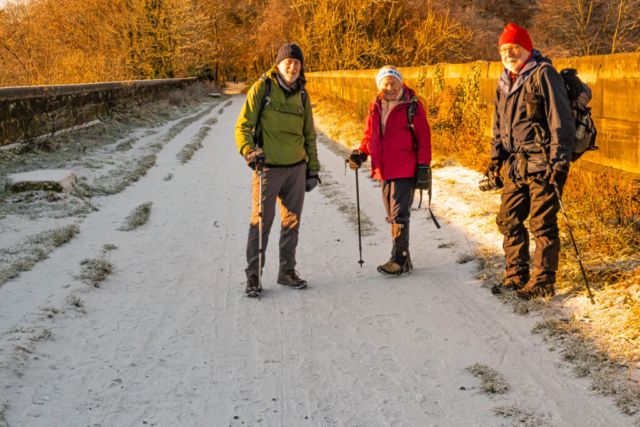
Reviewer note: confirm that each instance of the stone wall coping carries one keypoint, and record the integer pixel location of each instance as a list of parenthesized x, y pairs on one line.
[(26, 92)]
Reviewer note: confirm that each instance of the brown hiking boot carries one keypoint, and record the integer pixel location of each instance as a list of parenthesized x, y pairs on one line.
[(292, 279), (396, 268), (253, 286), (534, 290)]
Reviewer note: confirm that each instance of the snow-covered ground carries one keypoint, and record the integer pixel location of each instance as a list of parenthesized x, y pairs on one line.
[(169, 339)]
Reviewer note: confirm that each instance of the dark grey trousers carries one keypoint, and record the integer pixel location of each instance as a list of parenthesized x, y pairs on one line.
[(397, 195), (537, 201), (287, 186)]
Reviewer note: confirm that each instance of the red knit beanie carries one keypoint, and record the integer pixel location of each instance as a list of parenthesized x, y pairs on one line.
[(516, 35)]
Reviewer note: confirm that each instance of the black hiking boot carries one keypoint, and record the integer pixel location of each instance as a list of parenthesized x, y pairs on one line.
[(253, 286), (514, 281), (534, 290), (400, 261), (292, 279)]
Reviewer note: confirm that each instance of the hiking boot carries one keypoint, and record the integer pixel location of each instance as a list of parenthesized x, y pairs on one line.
[(534, 290), (516, 282), (253, 286), (292, 279), (400, 261), (396, 268), (516, 278)]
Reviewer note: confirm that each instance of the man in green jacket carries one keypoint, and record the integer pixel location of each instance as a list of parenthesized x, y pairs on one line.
[(287, 147)]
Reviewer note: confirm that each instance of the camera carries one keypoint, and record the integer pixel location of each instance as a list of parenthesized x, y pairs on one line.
[(491, 183)]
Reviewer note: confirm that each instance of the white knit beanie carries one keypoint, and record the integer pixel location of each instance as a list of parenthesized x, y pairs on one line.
[(387, 71)]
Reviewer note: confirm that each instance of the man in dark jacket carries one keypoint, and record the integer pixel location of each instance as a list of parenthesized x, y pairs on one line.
[(289, 157), (528, 182)]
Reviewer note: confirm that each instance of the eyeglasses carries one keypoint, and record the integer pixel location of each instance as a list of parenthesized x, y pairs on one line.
[(513, 49)]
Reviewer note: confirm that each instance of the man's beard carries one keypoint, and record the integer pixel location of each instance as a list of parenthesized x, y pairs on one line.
[(511, 66), (290, 79)]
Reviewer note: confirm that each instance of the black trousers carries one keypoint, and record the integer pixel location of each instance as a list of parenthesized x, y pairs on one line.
[(397, 195), (537, 201)]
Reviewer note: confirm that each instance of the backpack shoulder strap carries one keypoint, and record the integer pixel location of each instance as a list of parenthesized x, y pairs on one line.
[(411, 111), (303, 96), (266, 99)]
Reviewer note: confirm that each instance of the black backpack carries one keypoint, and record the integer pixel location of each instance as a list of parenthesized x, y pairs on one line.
[(577, 91), (266, 99)]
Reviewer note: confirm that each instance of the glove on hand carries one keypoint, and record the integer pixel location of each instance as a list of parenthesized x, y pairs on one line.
[(493, 169), (558, 176), (254, 157), (312, 180), (356, 159), (423, 177)]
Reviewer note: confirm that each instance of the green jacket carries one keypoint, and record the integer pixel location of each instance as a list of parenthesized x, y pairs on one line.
[(287, 128)]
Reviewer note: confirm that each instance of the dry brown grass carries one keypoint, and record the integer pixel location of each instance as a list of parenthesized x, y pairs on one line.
[(604, 212), (342, 121)]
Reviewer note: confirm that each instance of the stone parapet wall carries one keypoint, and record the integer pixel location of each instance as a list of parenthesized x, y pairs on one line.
[(27, 112), (614, 80)]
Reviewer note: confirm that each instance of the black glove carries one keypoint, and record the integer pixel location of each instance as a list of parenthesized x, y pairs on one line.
[(423, 177), (254, 157), (493, 168), (356, 159), (312, 180), (558, 176)]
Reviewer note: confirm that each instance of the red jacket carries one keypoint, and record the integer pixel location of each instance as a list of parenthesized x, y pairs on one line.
[(394, 154)]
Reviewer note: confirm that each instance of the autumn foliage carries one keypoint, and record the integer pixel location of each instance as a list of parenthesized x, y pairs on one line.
[(72, 41)]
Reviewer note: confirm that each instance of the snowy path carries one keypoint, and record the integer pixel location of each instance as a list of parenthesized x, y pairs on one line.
[(170, 340)]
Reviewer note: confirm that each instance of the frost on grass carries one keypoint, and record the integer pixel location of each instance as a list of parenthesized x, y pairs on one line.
[(196, 143), (93, 271), (466, 257), (116, 179), (518, 416), (607, 375), (212, 121), (22, 257), (76, 303), (3, 410), (332, 191), (492, 382), (139, 216)]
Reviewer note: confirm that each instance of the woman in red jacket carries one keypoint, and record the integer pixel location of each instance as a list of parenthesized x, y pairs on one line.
[(400, 158)]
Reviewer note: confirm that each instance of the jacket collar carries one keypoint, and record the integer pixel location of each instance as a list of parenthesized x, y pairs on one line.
[(406, 97), (301, 82)]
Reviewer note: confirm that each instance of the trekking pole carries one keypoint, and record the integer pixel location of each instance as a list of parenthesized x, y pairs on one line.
[(346, 161), (260, 168), (539, 138)]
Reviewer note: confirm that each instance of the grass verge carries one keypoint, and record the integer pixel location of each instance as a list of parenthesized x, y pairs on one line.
[(22, 257), (189, 150), (93, 271), (518, 417), (139, 216), (491, 382)]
